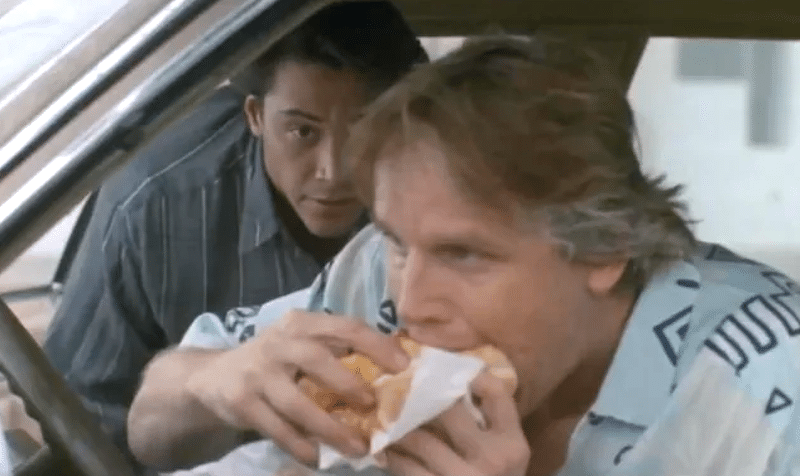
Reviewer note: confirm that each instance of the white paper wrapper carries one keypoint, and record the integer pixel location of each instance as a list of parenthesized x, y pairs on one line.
[(429, 396)]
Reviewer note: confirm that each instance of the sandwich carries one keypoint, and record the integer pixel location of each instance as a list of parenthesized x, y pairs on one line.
[(391, 389)]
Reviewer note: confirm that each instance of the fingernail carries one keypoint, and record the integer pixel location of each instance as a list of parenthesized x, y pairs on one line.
[(380, 460), (357, 447), (401, 359), (367, 399)]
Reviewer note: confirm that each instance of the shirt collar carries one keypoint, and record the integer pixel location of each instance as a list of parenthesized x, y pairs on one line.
[(259, 218), (641, 377)]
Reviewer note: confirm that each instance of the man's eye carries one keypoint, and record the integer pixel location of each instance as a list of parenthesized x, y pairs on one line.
[(459, 254), (303, 132)]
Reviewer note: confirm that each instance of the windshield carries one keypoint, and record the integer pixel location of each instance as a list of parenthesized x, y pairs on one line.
[(33, 32)]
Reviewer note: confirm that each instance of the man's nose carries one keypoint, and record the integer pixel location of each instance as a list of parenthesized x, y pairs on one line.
[(329, 166), (419, 297)]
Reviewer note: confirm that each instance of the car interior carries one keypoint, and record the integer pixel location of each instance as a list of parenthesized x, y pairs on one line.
[(712, 84)]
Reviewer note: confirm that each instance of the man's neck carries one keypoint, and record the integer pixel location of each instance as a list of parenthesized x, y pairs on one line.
[(549, 428), (321, 249)]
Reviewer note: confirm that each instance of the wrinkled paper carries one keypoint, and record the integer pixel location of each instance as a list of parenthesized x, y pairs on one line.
[(440, 379)]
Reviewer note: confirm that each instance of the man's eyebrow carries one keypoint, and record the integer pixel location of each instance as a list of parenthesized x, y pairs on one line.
[(300, 113)]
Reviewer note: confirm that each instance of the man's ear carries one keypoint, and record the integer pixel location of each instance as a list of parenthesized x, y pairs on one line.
[(604, 277), (254, 111)]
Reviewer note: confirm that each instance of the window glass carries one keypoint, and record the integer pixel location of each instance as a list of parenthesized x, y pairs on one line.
[(34, 31), (723, 118)]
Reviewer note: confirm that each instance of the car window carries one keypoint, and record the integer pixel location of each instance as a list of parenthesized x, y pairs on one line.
[(723, 117), (720, 116), (439, 46), (35, 31)]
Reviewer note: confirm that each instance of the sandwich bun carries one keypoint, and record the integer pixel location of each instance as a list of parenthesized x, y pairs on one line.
[(391, 389)]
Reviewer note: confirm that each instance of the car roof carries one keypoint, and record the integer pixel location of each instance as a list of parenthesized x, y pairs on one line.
[(693, 18)]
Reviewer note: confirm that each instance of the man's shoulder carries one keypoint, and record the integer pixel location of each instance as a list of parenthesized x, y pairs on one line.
[(353, 284), (747, 315), (743, 313), (722, 283), (355, 281), (740, 304), (733, 336), (186, 157), (725, 272), (746, 309)]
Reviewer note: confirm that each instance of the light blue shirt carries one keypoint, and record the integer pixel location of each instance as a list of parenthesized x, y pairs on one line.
[(704, 380)]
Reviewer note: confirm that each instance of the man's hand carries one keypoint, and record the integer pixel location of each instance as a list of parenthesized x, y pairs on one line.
[(254, 387), (460, 447)]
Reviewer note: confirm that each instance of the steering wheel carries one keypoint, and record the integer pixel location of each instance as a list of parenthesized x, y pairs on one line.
[(75, 443)]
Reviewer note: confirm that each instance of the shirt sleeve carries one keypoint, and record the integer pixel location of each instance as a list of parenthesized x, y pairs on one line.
[(103, 332), (734, 410), (785, 461)]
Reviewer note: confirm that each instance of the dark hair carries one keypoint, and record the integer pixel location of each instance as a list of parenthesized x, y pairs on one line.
[(370, 38), (546, 123)]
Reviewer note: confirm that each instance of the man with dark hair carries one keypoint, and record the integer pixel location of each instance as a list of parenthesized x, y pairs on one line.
[(239, 203)]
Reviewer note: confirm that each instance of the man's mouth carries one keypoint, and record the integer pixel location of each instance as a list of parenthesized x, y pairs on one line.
[(334, 202), (425, 338)]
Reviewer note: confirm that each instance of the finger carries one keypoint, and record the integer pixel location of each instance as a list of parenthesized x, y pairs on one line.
[(399, 464), (340, 332), (294, 406), (432, 452), (463, 430), (383, 350), (315, 360), (437, 429), (497, 404), (263, 419)]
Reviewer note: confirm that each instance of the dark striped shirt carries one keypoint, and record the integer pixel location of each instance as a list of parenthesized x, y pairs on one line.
[(188, 227)]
